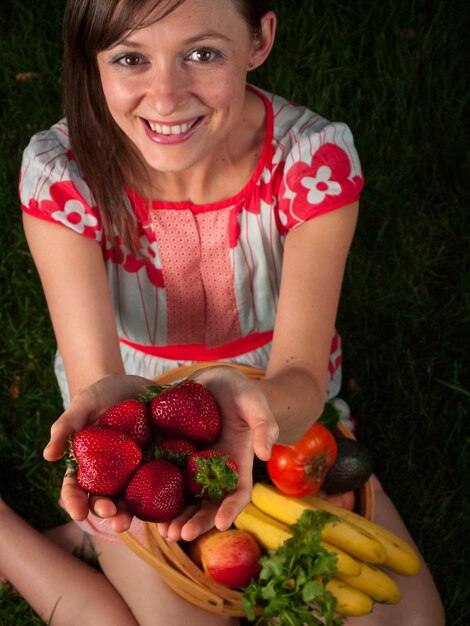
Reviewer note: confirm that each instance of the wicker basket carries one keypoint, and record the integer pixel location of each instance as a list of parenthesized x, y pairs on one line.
[(171, 561)]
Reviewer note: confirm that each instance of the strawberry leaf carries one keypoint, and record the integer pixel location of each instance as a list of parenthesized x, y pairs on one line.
[(180, 459), (152, 392), (70, 461), (215, 476)]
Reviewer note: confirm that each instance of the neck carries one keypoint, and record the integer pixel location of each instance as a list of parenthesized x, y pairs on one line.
[(224, 171)]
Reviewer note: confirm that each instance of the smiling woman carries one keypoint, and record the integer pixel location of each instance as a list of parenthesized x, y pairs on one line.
[(139, 78), (178, 215), (181, 100)]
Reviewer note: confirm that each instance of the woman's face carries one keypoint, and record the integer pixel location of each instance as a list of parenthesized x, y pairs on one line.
[(176, 88)]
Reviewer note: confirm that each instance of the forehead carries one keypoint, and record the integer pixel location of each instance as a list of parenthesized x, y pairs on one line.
[(128, 16)]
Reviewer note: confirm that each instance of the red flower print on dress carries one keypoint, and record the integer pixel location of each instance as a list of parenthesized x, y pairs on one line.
[(134, 264), (320, 185), (311, 189), (114, 252), (75, 216)]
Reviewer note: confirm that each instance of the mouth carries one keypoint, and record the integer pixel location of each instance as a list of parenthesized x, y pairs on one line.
[(172, 129), (171, 133)]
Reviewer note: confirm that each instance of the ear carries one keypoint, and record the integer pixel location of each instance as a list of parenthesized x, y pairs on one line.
[(264, 40)]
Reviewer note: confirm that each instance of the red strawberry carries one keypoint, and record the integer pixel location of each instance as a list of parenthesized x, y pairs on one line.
[(186, 409), (211, 474), (106, 458), (156, 492), (132, 417), (175, 450)]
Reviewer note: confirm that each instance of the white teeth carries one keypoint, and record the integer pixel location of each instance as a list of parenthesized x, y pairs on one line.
[(164, 129)]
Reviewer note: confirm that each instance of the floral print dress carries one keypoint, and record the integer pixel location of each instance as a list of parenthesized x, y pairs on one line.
[(208, 285)]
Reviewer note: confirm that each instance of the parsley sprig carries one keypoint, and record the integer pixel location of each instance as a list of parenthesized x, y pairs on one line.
[(291, 583)]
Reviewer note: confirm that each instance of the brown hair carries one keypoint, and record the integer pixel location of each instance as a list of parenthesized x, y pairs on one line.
[(91, 26)]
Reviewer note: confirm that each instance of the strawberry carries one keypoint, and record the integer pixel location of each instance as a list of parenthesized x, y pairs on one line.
[(211, 474), (106, 457), (132, 417), (186, 409), (175, 450), (156, 492)]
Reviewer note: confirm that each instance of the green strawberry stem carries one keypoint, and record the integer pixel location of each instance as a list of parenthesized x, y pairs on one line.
[(70, 461), (152, 392), (215, 477), (178, 458)]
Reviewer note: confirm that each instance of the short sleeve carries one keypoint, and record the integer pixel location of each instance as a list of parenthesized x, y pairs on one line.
[(51, 186), (322, 172)]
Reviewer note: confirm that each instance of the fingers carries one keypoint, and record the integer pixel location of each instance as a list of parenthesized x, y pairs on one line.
[(82, 409), (264, 436), (74, 499), (200, 522), (103, 507), (195, 520), (60, 433), (122, 520)]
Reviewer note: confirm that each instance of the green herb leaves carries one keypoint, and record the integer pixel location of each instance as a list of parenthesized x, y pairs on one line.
[(290, 585)]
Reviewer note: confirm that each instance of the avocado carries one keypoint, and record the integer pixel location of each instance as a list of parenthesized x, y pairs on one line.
[(351, 469)]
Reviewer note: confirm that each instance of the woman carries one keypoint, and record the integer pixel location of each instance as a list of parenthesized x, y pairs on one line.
[(205, 220)]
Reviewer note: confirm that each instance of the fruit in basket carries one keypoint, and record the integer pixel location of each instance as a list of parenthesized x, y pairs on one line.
[(186, 409), (272, 534), (229, 557), (211, 474), (400, 557), (103, 458), (300, 468), (156, 491), (131, 416), (352, 468), (340, 533)]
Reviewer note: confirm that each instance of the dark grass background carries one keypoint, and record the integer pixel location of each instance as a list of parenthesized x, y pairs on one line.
[(396, 72)]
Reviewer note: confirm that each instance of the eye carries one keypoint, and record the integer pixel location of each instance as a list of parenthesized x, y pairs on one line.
[(203, 55), (128, 59)]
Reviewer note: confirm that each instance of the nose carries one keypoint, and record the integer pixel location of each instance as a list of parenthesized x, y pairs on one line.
[(167, 90)]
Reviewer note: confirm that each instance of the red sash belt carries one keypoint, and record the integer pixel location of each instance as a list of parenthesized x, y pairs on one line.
[(199, 352)]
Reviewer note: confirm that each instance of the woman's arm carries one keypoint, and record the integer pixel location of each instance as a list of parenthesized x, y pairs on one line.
[(73, 277), (292, 395), (314, 261)]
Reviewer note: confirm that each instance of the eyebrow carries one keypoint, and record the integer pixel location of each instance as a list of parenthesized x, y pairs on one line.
[(210, 34)]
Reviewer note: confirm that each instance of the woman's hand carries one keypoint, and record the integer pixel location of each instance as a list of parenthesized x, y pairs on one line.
[(248, 429), (85, 408)]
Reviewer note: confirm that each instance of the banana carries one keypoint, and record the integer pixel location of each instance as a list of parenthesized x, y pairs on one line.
[(340, 533), (375, 583), (349, 601), (400, 556), (271, 534), (344, 561)]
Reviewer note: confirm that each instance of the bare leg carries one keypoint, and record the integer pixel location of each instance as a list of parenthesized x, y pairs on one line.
[(72, 538), (152, 602), (58, 586), (420, 604)]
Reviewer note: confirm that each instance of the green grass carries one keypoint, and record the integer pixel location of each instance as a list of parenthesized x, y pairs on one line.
[(396, 73)]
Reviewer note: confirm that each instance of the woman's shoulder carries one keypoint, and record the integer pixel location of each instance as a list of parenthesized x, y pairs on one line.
[(51, 185), (316, 160), (293, 123)]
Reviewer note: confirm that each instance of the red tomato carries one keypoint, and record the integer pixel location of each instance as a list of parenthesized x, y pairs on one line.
[(299, 469)]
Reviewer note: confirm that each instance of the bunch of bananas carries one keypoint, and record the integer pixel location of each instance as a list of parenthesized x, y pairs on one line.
[(359, 544)]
